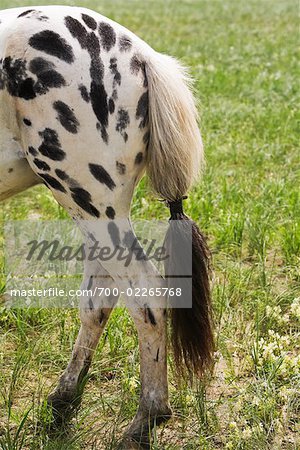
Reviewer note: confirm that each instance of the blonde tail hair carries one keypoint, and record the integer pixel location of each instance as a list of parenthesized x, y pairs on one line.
[(175, 142)]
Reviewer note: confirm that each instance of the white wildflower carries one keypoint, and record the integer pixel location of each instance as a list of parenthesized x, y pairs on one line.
[(295, 308), (246, 433)]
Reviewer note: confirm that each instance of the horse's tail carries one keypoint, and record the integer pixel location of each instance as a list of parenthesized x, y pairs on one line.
[(175, 157)]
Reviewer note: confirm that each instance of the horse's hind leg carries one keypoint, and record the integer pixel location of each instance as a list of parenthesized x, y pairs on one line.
[(95, 310), (153, 406), (149, 315)]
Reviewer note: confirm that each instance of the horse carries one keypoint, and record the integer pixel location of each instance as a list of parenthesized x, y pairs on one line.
[(87, 107)]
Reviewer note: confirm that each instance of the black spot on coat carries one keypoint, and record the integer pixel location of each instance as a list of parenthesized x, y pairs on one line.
[(111, 106), (102, 175), (89, 21), (89, 42), (137, 66), (66, 116), (16, 80), (83, 199), (50, 79), (123, 121), (103, 132), (33, 13), (25, 13), (121, 168), (142, 109), (26, 89), (96, 67), (99, 102), (107, 36), (77, 30), (62, 174), (42, 165), (139, 158), (52, 182), (114, 233), (39, 16), (124, 43), (98, 94), (47, 77), (114, 70), (50, 146), (33, 151), (52, 43), (39, 65), (110, 212), (84, 93)]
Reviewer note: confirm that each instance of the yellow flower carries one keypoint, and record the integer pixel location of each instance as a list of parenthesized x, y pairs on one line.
[(189, 399), (133, 383)]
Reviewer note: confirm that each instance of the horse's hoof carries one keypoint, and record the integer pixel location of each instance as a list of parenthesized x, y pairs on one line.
[(139, 434), (132, 443), (63, 407)]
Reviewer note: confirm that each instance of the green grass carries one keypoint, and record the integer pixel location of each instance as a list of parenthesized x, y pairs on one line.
[(243, 55)]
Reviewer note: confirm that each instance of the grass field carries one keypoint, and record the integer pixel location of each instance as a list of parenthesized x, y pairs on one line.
[(243, 55)]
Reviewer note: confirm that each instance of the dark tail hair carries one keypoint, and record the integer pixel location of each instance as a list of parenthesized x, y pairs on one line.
[(175, 158)]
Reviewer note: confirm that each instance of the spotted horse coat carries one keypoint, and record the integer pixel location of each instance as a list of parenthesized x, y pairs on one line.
[(85, 108)]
